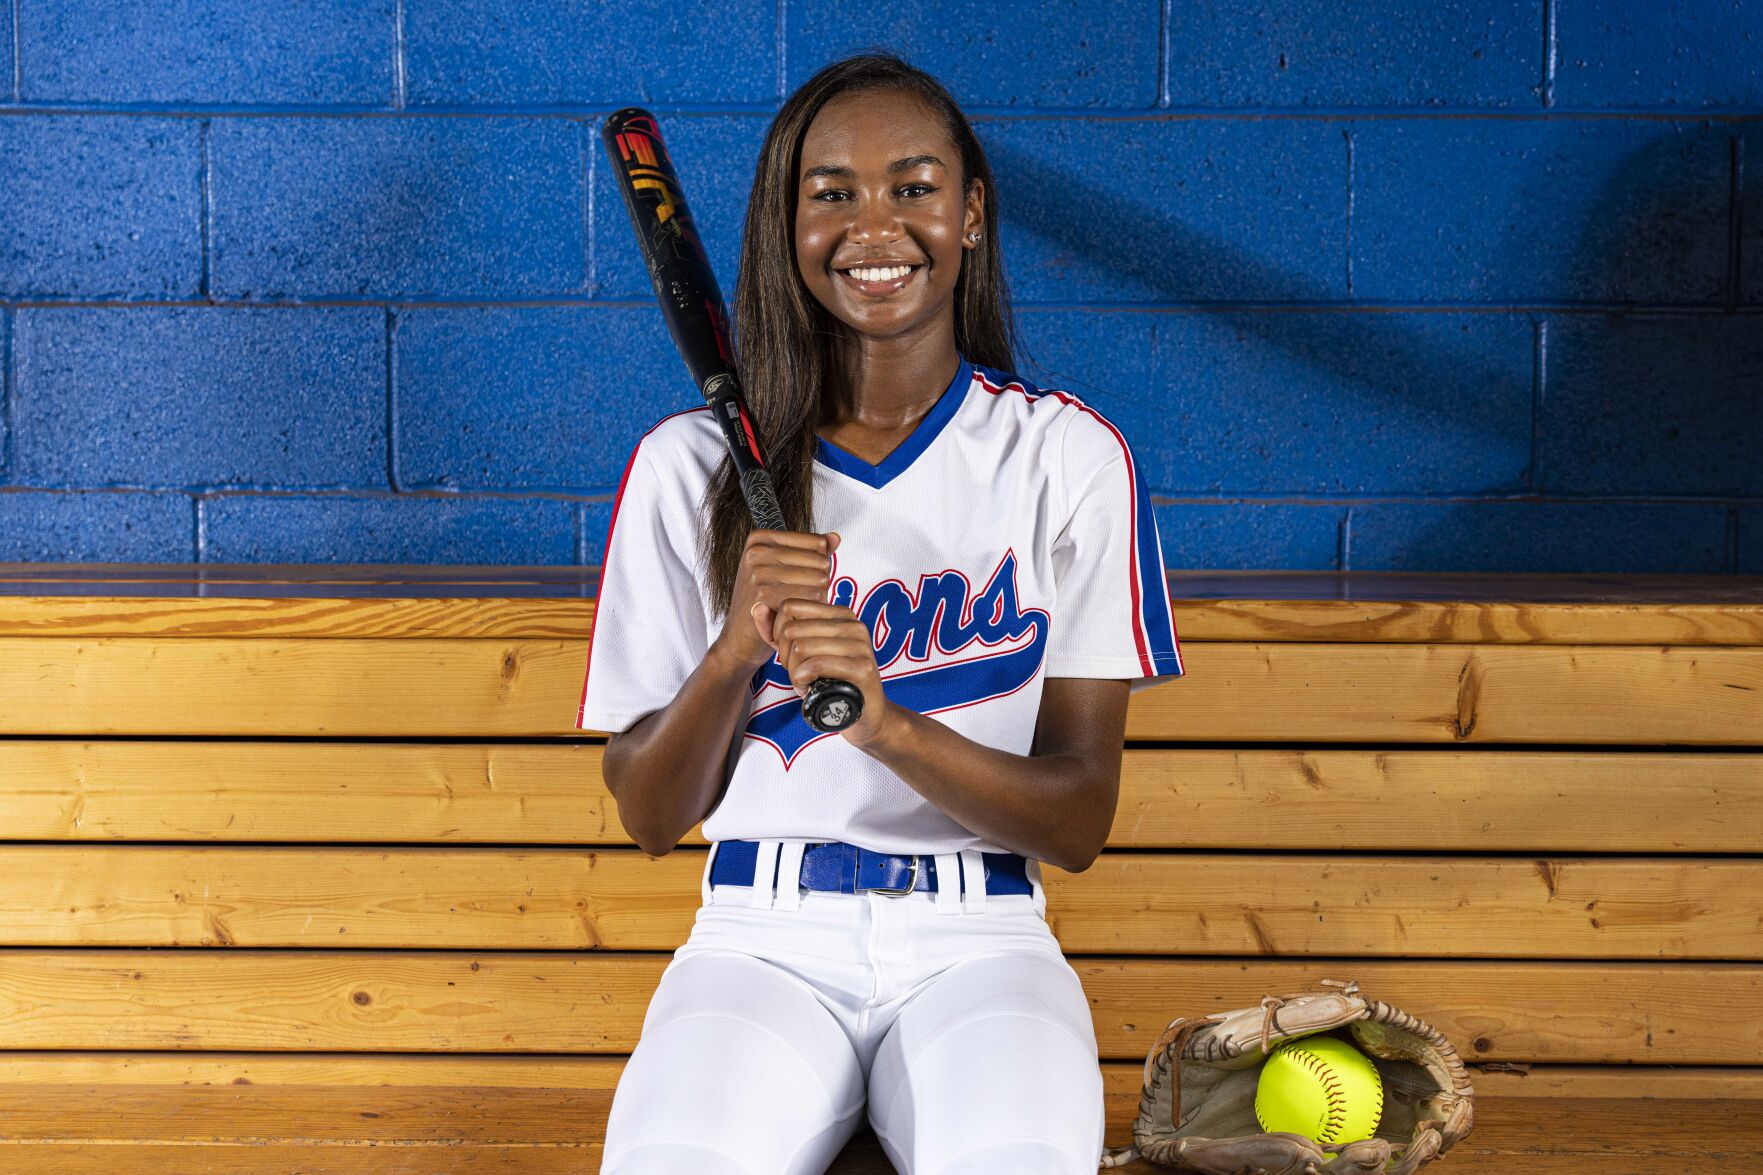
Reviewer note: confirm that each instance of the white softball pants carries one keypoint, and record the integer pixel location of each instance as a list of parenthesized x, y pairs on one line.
[(952, 1018)]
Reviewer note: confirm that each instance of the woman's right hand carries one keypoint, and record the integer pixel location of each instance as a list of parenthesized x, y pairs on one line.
[(776, 565)]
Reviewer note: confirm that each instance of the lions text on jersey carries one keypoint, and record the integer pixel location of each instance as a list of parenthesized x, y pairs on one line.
[(1008, 539)]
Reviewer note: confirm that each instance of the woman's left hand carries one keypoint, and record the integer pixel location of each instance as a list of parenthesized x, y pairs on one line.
[(816, 640)]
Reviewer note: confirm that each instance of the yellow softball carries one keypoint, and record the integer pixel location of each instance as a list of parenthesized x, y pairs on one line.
[(1320, 1087)]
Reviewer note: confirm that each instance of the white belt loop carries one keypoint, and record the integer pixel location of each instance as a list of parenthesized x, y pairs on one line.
[(764, 871), (704, 888), (1034, 882), (789, 876), (973, 881), (948, 883)]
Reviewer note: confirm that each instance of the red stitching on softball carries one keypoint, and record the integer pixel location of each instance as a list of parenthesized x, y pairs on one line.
[(1332, 1090)]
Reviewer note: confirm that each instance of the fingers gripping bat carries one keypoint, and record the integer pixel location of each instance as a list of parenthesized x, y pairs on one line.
[(691, 302)]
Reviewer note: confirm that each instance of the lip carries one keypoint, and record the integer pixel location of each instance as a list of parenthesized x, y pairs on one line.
[(879, 289)]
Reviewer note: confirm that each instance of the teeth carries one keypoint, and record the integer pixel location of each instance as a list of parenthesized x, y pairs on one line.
[(881, 275)]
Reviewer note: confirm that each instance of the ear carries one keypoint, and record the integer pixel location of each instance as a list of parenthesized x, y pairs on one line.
[(973, 219)]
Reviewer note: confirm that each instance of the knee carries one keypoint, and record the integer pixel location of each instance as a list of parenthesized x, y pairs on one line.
[(1017, 1155), (671, 1158)]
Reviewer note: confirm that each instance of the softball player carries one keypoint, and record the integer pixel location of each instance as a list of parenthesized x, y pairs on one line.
[(977, 555)]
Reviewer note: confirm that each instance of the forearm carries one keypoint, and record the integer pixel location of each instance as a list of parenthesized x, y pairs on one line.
[(665, 772), (1056, 808)]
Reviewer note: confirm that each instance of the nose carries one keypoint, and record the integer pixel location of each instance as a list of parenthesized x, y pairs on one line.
[(873, 220)]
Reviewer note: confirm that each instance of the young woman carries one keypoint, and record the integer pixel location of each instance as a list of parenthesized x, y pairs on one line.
[(977, 556)]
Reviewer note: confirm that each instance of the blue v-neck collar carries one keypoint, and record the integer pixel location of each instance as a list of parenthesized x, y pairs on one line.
[(904, 454)]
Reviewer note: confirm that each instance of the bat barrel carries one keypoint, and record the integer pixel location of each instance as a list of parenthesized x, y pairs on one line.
[(679, 269), (691, 303)]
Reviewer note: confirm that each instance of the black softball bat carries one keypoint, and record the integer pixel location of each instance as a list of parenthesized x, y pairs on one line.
[(691, 302)]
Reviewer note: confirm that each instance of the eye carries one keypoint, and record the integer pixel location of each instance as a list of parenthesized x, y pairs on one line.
[(828, 193), (912, 191)]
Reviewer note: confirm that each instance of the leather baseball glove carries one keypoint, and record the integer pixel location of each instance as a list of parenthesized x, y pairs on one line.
[(1197, 1107)]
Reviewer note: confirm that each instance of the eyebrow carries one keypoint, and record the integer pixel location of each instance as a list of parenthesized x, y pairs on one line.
[(896, 166)]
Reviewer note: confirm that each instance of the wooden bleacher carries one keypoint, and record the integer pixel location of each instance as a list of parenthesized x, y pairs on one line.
[(307, 868)]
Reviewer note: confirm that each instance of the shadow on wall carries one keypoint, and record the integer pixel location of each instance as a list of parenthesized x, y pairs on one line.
[(1663, 405)]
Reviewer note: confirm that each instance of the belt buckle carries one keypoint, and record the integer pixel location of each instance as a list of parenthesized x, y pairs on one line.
[(911, 883)]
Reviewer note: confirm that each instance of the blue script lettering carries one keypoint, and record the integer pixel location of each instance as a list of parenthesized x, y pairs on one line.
[(943, 617)]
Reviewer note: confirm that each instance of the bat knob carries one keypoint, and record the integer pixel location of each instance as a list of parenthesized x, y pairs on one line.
[(832, 705)]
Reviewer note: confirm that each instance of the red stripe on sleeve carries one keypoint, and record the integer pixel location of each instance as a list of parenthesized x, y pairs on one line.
[(1132, 548), (611, 525)]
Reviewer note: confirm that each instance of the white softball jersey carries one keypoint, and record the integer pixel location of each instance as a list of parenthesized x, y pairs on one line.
[(1008, 539)]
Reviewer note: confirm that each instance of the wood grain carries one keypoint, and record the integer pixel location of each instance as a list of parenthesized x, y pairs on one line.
[(501, 1071), (624, 899), (359, 1129), (1481, 800), (1458, 694), (373, 600), (553, 1003), (1249, 692)]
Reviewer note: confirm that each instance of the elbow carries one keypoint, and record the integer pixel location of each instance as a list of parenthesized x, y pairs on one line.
[(656, 842), (1092, 823), (1077, 858), (642, 827), (1081, 861), (1080, 856)]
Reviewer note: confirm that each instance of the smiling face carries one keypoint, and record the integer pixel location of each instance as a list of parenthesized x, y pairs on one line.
[(881, 219)]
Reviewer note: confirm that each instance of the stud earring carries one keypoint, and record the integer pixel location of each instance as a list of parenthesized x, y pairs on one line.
[(973, 236)]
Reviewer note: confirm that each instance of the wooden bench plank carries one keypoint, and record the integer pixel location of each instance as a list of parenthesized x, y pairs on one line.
[(360, 1114), (862, 1157), (1337, 904), (554, 602), (356, 1115), (1250, 692), (1481, 800), (623, 899), (411, 793), (504, 1071), (371, 1001), (1468, 622), (230, 686), (331, 614), (1197, 621), (549, 1128), (1458, 694)]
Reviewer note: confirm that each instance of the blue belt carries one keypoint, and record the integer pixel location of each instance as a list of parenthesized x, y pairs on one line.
[(838, 867)]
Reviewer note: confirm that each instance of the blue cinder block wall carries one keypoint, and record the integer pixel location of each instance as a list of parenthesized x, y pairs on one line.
[(1466, 285)]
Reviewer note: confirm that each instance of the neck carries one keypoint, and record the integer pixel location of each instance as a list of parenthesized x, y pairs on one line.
[(889, 383)]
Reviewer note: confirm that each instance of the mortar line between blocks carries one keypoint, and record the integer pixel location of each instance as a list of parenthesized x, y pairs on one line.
[(1549, 46), (398, 55), (17, 55), (205, 211), (1164, 48), (1735, 222), (1344, 540), (590, 280), (783, 51), (8, 317), (1152, 364), (1347, 133), (1539, 349), (392, 398)]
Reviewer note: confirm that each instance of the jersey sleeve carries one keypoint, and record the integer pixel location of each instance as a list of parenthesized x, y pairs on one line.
[(649, 628), (1112, 615)]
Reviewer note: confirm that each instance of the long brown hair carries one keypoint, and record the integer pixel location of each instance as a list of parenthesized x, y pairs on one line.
[(787, 344)]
